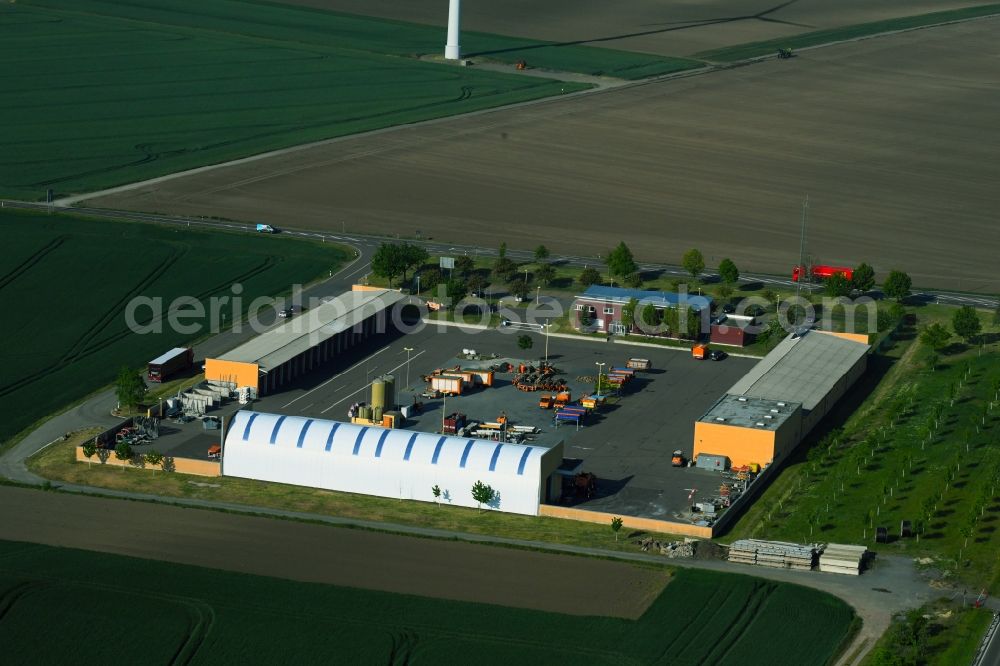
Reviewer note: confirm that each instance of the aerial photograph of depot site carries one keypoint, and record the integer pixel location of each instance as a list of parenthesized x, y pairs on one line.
[(500, 332)]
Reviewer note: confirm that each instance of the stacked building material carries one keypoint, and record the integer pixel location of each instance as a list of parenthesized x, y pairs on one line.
[(743, 551), (778, 554), (842, 558)]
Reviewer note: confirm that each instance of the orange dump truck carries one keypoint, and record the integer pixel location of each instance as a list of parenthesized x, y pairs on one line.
[(700, 352), (545, 401)]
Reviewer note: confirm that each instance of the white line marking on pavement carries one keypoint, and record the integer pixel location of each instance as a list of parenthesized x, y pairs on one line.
[(350, 395), (332, 378)]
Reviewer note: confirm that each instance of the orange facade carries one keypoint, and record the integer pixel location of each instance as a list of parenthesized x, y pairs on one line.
[(741, 445), (631, 522), (235, 372)]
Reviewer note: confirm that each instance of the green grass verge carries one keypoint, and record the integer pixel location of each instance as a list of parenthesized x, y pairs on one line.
[(210, 616), (921, 447), (67, 281), (100, 93), (58, 463), (769, 47), (936, 634)]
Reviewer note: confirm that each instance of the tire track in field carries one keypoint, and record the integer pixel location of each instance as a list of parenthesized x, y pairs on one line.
[(28, 263), (263, 267), (74, 352), (734, 633), (14, 594), (686, 631)]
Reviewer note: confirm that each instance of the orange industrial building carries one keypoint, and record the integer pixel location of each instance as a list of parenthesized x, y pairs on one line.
[(307, 341), (765, 415)]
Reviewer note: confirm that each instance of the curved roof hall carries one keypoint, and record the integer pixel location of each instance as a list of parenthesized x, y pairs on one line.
[(381, 444)]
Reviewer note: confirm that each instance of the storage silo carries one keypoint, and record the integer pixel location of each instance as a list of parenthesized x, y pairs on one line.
[(390, 392), (378, 392)]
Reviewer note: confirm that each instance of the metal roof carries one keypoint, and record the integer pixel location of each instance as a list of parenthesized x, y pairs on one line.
[(163, 358), (302, 332), (376, 444), (802, 368), (660, 298), (750, 412)]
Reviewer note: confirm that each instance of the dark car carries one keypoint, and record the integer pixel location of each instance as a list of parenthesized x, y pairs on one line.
[(717, 355), (729, 308), (286, 313)]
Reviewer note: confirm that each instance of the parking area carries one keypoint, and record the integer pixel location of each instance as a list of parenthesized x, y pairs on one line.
[(627, 444)]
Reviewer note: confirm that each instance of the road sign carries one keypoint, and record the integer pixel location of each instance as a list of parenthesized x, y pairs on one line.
[(447, 262)]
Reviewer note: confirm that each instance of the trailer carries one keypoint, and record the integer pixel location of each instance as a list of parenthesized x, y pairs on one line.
[(165, 365), (820, 272), (639, 364), (449, 385)]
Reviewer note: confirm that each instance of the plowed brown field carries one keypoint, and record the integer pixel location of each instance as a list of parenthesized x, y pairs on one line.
[(893, 139), (322, 554), (665, 27)]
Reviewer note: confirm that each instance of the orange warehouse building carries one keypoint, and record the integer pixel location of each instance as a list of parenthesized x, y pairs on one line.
[(765, 415), (749, 430), (309, 340)]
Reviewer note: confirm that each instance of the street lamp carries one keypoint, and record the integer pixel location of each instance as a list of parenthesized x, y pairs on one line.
[(600, 371), (407, 350), (547, 327), (538, 294)]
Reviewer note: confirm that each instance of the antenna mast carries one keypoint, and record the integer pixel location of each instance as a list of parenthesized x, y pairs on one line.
[(802, 247)]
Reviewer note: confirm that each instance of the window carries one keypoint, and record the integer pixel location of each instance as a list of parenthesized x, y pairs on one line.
[(579, 306), (609, 310), (592, 309)]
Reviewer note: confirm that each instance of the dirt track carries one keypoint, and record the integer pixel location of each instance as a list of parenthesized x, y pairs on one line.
[(320, 554), (665, 27), (893, 139)]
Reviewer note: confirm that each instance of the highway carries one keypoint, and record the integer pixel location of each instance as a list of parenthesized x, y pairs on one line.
[(366, 244)]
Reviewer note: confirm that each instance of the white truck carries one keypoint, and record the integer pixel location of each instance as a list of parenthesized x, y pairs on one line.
[(266, 229)]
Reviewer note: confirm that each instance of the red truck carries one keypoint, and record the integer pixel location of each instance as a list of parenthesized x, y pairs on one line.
[(174, 361), (820, 272)]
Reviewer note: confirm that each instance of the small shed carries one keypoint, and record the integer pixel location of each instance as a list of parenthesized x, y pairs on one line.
[(713, 462), (733, 330)]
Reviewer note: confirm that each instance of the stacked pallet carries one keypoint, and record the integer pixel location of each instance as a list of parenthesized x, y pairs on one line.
[(777, 554), (743, 551), (842, 558)]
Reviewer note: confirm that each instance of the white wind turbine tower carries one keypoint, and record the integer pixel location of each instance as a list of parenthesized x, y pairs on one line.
[(452, 50)]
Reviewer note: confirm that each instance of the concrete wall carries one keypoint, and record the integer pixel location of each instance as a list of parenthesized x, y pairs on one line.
[(180, 465), (631, 522), (838, 391)]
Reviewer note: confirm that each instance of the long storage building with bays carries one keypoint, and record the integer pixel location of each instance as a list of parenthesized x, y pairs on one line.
[(400, 464)]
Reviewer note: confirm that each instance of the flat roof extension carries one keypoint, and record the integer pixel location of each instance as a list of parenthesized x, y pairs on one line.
[(748, 412)]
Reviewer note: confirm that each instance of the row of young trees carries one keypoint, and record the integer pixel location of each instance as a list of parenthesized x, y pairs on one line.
[(125, 453)]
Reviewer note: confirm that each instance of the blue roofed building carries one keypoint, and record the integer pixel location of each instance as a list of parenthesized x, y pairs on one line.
[(602, 306)]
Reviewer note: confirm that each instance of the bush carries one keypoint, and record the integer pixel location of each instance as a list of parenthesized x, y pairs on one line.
[(589, 276)]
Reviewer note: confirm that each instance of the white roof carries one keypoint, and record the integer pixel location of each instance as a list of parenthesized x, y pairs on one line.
[(163, 358), (378, 444), (802, 368), (399, 464), (302, 332)]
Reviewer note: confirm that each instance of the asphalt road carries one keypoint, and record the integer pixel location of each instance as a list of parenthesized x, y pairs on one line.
[(367, 244)]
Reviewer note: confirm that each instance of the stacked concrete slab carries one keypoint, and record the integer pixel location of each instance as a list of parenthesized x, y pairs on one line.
[(842, 559), (777, 554)]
